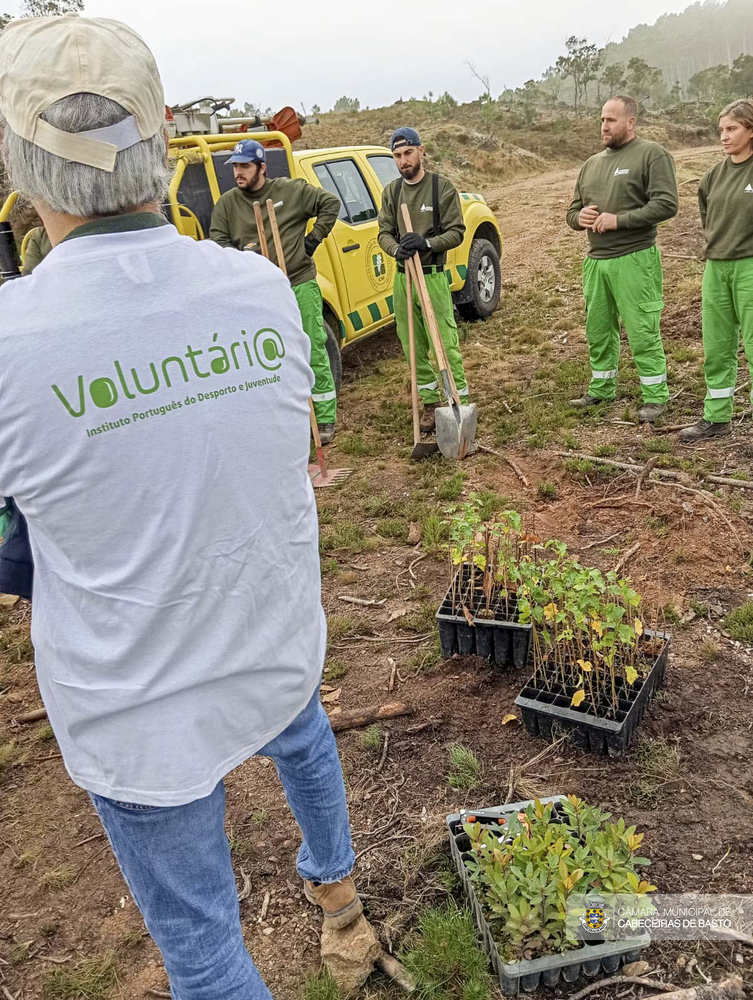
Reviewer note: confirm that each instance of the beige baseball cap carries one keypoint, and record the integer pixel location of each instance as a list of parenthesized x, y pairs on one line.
[(44, 59)]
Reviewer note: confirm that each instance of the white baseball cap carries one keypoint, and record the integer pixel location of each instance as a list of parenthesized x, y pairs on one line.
[(44, 59)]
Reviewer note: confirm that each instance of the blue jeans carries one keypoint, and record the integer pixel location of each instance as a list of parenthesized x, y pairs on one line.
[(176, 861)]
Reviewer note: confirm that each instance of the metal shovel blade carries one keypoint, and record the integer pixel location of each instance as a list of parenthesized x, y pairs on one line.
[(456, 429)]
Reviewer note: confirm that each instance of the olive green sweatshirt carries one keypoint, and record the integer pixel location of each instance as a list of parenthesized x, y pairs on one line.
[(418, 198), (295, 202), (37, 248), (635, 182), (725, 197)]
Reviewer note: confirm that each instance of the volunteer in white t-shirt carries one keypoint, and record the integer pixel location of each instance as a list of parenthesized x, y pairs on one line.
[(154, 432)]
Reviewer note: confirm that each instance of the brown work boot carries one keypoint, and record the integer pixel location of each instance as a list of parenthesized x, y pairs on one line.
[(339, 901), (428, 421)]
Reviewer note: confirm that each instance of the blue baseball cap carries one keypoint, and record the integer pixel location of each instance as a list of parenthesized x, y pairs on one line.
[(404, 137), (248, 151)]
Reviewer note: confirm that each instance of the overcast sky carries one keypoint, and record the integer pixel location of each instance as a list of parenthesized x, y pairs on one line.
[(295, 52)]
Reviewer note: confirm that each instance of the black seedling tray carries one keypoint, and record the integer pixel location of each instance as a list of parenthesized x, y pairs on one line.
[(591, 960), (500, 639), (545, 710)]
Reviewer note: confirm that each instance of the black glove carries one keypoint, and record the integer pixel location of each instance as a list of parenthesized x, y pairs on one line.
[(311, 242), (401, 253), (414, 243)]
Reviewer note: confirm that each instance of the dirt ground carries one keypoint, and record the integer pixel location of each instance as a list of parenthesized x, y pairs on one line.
[(688, 783)]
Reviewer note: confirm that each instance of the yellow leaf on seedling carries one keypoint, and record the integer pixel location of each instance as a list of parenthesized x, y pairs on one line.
[(638, 626), (585, 666), (510, 717), (550, 611), (631, 675), (597, 626), (578, 698)]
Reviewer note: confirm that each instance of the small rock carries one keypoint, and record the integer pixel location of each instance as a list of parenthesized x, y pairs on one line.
[(697, 857), (682, 961), (414, 533), (267, 931), (636, 969), (273, 858), (688, 507), (739, 958), (8, 600)]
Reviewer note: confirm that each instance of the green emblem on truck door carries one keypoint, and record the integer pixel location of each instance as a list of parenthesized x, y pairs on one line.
[(378, 267)]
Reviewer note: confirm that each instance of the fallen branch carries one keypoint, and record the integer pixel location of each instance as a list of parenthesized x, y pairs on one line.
[(672, 428), (264, 908), (678, 477), (743, 484), (363, 602), (601, 541), (396, 972), (644, 474), (94, 836), (385, 748), (513, 465), (13, 917), (354, 720), (158, 993), (246, 890), (682, 256), (617, 980), (35, 716), (727, 989), (628, 555)]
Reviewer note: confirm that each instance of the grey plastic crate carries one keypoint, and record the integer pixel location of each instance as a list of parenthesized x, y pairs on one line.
[(591, 960)]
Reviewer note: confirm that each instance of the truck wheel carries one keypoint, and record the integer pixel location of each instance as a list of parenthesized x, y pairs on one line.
[(483, 283), (333, 351)]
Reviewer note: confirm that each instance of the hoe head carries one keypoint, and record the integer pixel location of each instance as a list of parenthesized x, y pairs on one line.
[(456, 430)]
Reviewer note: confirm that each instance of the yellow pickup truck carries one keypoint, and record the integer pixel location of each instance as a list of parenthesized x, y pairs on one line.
[(355, 275)]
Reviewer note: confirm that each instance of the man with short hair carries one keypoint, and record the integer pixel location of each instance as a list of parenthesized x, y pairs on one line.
[(438, 226), (295, 202), (157, 444), (621, 196)]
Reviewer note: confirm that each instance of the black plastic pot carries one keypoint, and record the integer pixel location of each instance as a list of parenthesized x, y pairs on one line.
[(591, 960), (500, 639), (544, 711)]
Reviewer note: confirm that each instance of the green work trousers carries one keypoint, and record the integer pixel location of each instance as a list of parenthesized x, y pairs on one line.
[(727, 312), (309, 298), (441, 299), (629, 287)]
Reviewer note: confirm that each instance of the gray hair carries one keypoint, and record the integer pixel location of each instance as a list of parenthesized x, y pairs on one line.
[(141, 173)]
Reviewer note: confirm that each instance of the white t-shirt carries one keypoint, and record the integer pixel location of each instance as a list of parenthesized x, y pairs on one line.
[(154, 430)]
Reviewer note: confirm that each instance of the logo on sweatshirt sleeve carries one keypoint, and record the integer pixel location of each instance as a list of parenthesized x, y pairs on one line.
[(621, 172)]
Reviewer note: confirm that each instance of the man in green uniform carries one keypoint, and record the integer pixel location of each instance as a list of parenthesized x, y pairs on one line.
[(621, 196), (438, 226), (37, 247), (295, 201), (725, 198)]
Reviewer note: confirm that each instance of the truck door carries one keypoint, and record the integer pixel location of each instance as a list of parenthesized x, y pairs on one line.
[(367, 270)]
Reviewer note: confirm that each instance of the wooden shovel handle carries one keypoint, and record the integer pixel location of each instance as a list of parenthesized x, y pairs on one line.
[(428, 309), (260, 230), (412, 358), (276, 236)]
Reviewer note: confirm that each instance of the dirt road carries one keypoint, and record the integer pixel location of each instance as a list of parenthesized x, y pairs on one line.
[(532, 211)]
